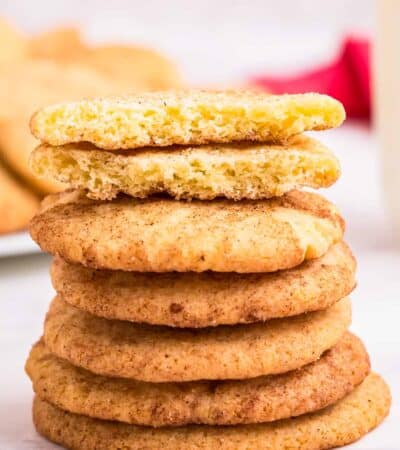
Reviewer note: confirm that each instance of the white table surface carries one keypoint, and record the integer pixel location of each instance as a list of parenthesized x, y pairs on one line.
[(25, 292)]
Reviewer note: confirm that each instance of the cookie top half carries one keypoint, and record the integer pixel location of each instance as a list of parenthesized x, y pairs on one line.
[(190, 117)]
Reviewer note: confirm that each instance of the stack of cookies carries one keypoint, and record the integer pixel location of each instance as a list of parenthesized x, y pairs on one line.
[(201, 297)]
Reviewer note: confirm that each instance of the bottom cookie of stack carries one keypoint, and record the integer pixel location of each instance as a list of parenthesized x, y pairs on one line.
[(344, 422)]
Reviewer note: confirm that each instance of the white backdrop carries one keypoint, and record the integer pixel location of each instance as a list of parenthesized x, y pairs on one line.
[(213, 40)]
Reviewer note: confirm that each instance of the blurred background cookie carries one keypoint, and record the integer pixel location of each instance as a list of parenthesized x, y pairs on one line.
[(145, 68), (28, 85), (61, 43), (12, 43), (53, 66), (17, 203)]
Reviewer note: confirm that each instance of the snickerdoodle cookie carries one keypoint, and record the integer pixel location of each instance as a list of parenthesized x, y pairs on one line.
[(195, 300), (235, 171), (185, 117), (161, 354), (165, 235)]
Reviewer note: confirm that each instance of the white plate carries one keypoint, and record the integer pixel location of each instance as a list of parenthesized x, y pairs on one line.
[(17, 244)]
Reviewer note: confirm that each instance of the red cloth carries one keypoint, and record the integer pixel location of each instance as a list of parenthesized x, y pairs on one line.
[(347, 79)]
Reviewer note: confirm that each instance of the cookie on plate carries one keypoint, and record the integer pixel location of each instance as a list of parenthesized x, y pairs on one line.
[(12, 43), (135, 68), (27, 85), (16, 144), (17, 203), (61, 43)]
